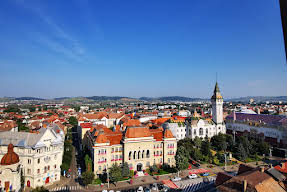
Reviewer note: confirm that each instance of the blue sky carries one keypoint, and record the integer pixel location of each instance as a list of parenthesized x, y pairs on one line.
[(141, 48)]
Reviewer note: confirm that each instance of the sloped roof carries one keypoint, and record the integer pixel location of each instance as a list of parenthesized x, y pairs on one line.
[(136, 132)]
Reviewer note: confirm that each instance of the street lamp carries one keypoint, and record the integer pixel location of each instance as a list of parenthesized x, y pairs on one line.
[(234, 136)]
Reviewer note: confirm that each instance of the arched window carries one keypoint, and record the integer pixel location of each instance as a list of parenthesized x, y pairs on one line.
[(135, 153), (143, 154), (206, 131), (147, 154), (200, 131), (194, 131), (130, 155), (139, 154)]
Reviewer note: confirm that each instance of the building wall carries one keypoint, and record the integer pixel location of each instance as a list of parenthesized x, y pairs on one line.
[(11, 174), (39, 164), (159, 152)]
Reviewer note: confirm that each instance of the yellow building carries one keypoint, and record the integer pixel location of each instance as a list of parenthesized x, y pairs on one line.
[(139, 146)]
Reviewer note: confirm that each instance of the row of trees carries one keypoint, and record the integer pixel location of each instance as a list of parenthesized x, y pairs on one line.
[(244, 148)]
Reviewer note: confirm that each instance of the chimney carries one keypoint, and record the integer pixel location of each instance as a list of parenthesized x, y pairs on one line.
[(262, 169), (244, 185)]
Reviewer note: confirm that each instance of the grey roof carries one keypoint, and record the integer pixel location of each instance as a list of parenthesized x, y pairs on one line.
[(276, 174)]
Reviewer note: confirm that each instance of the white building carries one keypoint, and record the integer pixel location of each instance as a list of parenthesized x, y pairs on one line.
[(40, 154), (184, 113), (272, 128), (177, 127), (209, 128)]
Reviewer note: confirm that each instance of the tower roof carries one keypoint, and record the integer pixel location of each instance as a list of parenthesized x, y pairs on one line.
[(216, 92), (10, 157)]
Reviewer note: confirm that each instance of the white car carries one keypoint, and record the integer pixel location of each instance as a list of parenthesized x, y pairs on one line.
[(176, 179), (192, 176), (104, 190), (140, 189), (154, 187), (111, 190)]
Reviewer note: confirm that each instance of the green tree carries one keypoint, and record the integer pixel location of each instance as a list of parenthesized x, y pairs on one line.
[(115, 173), (181, 159), (32, 109), (88, 163), (241, 153), (88, 177), (197, 142), (153, 169), (196, 154), (205, 147), (125, 170), (73, 121), (263, 148)]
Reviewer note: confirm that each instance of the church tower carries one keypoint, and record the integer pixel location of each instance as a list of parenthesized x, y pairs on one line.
[(217, 106)]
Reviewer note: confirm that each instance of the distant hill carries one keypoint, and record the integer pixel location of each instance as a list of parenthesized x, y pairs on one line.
[(259, 99), (27, 98), (171, 98), (107, 98)]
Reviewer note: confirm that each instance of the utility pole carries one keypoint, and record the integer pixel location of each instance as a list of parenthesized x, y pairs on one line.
[(108, 176)]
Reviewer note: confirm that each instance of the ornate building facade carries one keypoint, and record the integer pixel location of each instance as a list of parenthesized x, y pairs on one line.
[(40, 154), (139, 146), (209, 127)]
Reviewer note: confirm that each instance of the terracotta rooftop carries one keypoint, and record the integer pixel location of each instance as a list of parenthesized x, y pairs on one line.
[(135, 132)]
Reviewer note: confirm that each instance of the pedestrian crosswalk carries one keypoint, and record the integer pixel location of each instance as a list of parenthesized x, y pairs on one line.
[(67, 188), (197, 186)]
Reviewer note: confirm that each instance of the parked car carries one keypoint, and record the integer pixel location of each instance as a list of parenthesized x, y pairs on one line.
[(104, 190), (205, 180), (165, 188), (192, 176), (194, 163), (111, 190), (140, 189), (147, 189), (154, 187), (176, 179), (204, 174)]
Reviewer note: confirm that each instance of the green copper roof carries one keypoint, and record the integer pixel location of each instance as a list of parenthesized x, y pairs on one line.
[(216, 89)]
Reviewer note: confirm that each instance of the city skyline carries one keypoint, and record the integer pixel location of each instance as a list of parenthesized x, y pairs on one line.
[(142, 48)]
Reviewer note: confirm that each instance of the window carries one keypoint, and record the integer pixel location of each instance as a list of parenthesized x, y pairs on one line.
[(200, 131), (29, 161), (147, 154), (100, 168), (38, 160), (139, 154), (38, 171), (135, 153), (130, 155), (55, 166), (194, 131), (29, 171), (143, 154), (168, 160)]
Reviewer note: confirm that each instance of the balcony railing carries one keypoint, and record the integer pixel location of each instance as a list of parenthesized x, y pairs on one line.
[(102, 161)]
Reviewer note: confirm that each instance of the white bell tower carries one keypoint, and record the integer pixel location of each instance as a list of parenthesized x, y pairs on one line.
[(217, 106)]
